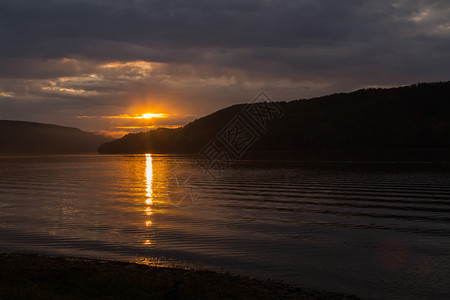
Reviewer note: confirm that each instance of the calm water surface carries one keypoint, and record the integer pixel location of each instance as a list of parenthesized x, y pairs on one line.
[(379, 230)]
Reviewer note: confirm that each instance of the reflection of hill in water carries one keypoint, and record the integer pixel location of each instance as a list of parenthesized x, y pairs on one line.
[(17, 137), (408, 119)]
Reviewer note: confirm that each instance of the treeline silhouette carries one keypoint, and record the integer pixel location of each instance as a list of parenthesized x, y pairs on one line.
[(376, 122), (19, 138)]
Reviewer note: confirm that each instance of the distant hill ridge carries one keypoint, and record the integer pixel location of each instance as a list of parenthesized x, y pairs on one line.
[(21, 137), (410, 118)]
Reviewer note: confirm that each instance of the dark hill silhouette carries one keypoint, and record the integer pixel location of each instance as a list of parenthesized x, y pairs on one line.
[(19, 138), (402, 120)]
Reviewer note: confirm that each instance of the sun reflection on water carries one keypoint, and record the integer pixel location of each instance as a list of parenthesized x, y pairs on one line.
[(149, 178), (149, 191), (148, 211)]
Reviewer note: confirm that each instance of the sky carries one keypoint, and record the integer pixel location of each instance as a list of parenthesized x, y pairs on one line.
[(103, 65)]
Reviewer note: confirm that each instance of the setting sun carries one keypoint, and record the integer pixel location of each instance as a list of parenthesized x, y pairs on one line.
[(138, 117), (151, 116)]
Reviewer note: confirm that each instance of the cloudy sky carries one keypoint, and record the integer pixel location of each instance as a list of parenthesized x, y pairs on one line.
[(100, 64)]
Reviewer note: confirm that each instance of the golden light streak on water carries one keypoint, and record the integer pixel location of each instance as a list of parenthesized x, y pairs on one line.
[(148, 190)]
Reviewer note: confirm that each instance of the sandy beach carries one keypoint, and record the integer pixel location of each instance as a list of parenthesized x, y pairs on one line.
[(35, 276)]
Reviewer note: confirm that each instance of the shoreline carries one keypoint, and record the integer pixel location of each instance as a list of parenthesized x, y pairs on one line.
[(39, 276)]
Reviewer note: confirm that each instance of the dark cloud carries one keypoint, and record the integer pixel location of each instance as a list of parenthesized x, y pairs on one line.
[(64, 58)]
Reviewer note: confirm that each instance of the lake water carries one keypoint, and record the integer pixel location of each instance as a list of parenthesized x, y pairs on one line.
[(377, 230)]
